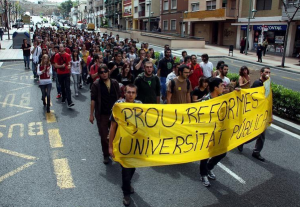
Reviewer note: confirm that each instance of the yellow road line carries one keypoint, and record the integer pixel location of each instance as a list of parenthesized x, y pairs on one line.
[(289, 78), (17, 154), (55, 138), (15, 115), (50, 117), (63, 173), (18, 106), (19, 169)]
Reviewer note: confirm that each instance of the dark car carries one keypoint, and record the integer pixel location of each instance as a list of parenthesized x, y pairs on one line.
[(18, 25)]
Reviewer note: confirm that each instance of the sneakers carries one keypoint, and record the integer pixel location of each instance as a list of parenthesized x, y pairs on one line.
[(205, 181), (258, 156), (71, 105), (76, 94), (106, 160), (126, 200), (211, 175), (80, 85), (63, 101), (58, 96)]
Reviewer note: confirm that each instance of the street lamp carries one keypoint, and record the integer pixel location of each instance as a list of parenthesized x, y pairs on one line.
[(252, 13)]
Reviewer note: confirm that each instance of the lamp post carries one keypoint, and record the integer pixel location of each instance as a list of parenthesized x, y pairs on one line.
[(251, 16)]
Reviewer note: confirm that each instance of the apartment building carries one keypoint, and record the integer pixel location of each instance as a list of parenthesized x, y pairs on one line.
[(114, 12), (172, 16), (145, 11), (212, 20), (127, 14), (95, 12)]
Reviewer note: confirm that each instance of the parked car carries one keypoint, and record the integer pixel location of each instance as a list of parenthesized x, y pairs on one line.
[(91, 26), (18, 25)]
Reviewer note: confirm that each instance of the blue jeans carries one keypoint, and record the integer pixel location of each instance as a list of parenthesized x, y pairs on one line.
[(163, 87), (26, 61), (34, 69), (58, 88), (46, 91)]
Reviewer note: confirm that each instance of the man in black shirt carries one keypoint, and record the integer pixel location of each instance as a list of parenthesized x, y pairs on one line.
[(116, 66), (260, 139), (26, 53), (104, 93), (165, 66)]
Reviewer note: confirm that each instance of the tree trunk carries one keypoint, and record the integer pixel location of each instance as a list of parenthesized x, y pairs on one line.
[(285, 43)]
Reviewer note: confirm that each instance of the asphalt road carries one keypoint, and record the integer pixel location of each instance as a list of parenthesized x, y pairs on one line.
[(57, 161)]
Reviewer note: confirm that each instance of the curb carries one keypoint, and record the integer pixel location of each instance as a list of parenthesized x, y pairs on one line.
[(286, 125)]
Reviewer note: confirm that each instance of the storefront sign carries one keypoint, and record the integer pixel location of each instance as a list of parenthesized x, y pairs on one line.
[(279, 39), (244, 27), (270, 27)]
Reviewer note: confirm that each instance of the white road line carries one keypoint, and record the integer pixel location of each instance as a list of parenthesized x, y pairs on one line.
[(286, 131), (226, 169)]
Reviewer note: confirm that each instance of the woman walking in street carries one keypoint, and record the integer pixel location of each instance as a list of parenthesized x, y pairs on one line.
[(26, 53), (44, 71), (76, 70)]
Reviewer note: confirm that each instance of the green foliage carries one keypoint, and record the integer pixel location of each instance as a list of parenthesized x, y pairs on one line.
[(65, 8), (53, 24), (286, 102), (156, 54)]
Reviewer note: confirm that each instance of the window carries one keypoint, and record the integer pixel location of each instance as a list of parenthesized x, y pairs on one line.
[(173, 4), (165, 25), (166, 5), (263, 4), (173, 24), (211, 5), (224, 3), (195, 6), (135, 9)]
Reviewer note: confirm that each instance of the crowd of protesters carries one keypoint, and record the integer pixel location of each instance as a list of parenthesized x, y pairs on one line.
[(116, 70)]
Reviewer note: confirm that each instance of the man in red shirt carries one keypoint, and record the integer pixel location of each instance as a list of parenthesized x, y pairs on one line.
[(195, 72), (62, 64)]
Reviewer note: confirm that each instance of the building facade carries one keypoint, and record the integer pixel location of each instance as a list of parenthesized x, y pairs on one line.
[(95, 12), (212, 20), (113, 12), (127, 14), (173, 13)]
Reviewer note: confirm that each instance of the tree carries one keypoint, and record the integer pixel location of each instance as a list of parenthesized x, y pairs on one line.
[(65, 8), (289, 20), (17, 9)]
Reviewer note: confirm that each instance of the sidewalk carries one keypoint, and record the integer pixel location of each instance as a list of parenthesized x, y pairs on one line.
[(291, 64)]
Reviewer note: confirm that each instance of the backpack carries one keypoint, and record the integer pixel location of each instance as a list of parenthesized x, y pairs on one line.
[(173, 85)]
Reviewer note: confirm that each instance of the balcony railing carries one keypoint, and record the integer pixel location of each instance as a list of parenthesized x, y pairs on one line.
[(141, 13), (217, 13)]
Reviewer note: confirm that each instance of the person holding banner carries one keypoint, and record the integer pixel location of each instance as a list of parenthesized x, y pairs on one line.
[(104, 93), (127, 173), (260, 139), (216, 88)]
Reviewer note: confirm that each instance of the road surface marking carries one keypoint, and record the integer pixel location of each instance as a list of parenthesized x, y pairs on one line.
[(289, 78), (19, 169), (11, 65), (19, 106), (16, 82), (63, 173), (286, 131), (17, 154), (226, 169), (17, 75), (16, 89), (10, 117), (55, 138), (50, 117)]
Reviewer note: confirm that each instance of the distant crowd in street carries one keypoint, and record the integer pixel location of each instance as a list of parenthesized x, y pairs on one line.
[(117, 70)]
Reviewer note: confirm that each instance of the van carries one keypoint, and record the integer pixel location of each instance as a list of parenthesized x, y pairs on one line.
[(91, 26)]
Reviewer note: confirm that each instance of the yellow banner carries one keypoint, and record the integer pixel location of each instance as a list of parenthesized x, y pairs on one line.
[(160, 134)]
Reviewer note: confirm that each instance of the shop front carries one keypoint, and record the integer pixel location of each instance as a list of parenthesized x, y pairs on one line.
[(296, 50), (273, 33)]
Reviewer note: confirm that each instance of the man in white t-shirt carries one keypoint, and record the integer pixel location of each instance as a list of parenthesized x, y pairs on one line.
[(222, 75), (206, 66)]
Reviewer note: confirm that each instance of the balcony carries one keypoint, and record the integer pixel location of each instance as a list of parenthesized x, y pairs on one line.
[(127, 14), (141, 1), (127, 2), (217, 14), (141, 13)]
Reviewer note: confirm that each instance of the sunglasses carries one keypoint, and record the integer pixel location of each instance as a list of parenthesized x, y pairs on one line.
[(104, 71)]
